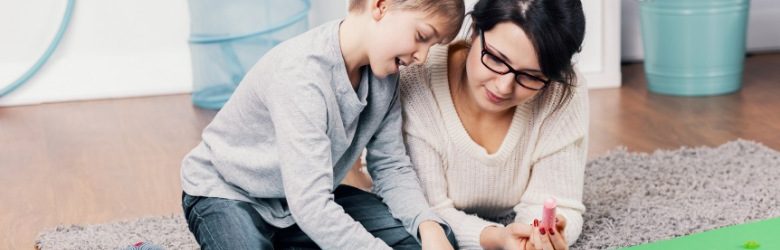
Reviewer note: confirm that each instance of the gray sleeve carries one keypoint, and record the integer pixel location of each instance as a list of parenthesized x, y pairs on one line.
[(394, 178), (299, 114)]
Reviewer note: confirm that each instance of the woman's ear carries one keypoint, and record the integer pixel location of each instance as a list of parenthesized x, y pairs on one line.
[(378, 9)]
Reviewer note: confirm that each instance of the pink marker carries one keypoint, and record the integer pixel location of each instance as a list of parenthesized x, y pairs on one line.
[(548, 216)]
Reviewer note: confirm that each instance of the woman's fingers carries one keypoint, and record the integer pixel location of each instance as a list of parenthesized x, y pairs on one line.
[(560, 222), (558, 240), (536, 238), (544, 236)]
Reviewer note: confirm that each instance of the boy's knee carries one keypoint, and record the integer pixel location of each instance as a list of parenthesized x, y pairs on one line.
[(227, 224)]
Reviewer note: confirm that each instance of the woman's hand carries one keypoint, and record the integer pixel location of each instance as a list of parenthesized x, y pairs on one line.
[(544, 239), (433, 237)]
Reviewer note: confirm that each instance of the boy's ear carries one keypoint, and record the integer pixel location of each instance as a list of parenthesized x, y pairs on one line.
[(378, 9), (474, 32)]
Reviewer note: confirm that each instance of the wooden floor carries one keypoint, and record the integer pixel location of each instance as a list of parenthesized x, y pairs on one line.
[(100, 161)]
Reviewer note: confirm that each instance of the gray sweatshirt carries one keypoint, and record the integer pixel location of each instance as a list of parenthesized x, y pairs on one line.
[(291, 132)]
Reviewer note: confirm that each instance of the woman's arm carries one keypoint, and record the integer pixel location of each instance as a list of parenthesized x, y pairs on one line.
[(430, 169), (558, 175)]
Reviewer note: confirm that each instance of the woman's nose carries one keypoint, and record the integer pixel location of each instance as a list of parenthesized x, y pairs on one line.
[(505, 84)]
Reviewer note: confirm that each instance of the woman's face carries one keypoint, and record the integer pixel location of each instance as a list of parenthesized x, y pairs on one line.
[(494, 92)]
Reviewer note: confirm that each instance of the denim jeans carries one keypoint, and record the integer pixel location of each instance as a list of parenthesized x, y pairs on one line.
[(229, 224)]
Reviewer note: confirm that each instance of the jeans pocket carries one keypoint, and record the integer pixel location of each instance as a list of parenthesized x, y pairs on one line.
[(187, 201)]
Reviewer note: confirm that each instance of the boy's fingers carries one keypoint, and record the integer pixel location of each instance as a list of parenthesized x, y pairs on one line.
[(522, 244), (520, 230), (527, 245)]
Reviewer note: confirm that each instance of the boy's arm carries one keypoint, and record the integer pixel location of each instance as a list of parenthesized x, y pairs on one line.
[(394, 179), (299, 114)]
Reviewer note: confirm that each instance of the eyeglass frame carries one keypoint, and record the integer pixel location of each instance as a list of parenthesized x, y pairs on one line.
[(517, 73)]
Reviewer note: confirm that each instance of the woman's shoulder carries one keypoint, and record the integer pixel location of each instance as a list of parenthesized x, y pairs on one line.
[(416, 92), (561, 126), (421, 113)]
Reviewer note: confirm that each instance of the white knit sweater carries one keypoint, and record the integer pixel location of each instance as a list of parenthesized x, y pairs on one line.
[(543, 155)]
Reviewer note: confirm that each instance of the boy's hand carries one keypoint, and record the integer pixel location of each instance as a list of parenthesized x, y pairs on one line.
[(433, 237), (511, 237), (516, 235)]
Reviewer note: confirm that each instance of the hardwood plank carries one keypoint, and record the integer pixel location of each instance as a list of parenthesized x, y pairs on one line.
[(92, 162), (644, 121)]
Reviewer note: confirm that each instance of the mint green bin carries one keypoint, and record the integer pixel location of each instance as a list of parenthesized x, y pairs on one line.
[(694, 47)]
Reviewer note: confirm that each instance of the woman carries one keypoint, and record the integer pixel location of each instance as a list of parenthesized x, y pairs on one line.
[(497, 124)]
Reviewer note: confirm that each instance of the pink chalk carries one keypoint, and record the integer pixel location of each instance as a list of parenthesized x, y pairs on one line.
[(548, 215)]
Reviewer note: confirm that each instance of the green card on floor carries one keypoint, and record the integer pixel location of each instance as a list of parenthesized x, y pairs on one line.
[(761, 235)]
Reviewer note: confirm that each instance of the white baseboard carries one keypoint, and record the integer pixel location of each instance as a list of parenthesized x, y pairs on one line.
[(101, 77)]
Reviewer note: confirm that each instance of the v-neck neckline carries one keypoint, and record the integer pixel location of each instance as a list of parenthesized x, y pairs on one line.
[(441, 89)]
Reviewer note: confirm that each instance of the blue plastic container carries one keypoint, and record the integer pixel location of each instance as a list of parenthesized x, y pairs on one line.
[(694, 47), (229, 37)]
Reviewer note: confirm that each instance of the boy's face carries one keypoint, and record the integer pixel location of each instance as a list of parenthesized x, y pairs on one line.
[(401, 38)]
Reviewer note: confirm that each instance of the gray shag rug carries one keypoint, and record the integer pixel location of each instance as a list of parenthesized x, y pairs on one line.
[(169, 232), (632, 198), (635, 198)]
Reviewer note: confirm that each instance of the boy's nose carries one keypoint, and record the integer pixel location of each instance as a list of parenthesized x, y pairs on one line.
[(421, 55)]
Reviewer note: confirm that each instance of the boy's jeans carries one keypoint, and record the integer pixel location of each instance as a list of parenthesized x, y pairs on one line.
[(228, 224)]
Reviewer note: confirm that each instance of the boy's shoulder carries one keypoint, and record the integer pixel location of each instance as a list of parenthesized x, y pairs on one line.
[(310, 57), (313, 49)]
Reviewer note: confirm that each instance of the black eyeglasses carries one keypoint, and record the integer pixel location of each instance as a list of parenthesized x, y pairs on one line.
[(495, 64)]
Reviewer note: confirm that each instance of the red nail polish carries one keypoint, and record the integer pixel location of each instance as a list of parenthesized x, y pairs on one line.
[(552, 232), (536, 222), (541, 230)]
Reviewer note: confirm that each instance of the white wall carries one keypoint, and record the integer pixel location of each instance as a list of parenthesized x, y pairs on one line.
[(111, 48), (763, 33), (126, 48)]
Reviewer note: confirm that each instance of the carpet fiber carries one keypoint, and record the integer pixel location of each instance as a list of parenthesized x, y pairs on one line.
[(632, 198), (635, 198)]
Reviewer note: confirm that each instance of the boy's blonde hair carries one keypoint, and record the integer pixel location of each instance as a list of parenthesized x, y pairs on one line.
[(452, 10)]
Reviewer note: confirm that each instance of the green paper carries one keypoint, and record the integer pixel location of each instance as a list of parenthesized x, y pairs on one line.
[(765, 233), (752, 244)]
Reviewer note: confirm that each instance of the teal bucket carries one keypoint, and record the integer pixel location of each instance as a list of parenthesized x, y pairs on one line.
[(694, 47), (228, 37)]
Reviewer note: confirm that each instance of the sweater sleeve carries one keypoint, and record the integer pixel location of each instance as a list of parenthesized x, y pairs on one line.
[(559, 167), (298, 112), (428, 162), (559, 175), (420, 114), (430, 169)]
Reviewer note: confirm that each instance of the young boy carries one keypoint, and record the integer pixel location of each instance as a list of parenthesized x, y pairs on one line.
[(267, 171)]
